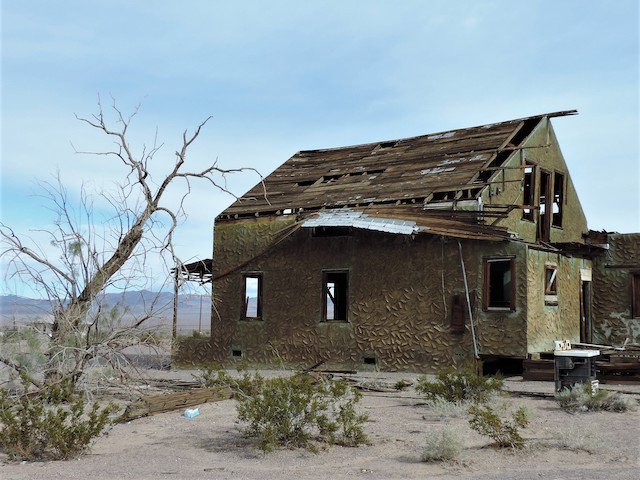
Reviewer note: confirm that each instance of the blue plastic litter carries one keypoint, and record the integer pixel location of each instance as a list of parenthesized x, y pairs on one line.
[(191, 412)]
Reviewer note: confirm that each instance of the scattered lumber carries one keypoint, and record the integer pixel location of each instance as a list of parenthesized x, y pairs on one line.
[(152, 404), (172, 384), (337, 371), (613, 367)]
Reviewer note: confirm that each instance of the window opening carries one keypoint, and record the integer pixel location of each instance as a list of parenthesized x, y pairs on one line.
[(551, 285), (335, 290), (528, 193), (499, 284), (551, 280), (252, 296), (544, 225), (635, 295), (558, 199)]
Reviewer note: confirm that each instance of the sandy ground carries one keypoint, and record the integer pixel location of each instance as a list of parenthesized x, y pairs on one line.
[(211, 446)]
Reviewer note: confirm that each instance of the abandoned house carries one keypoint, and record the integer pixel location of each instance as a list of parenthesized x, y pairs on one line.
[(409, 254)]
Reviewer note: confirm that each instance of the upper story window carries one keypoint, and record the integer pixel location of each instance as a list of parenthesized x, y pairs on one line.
[(544, 207), (335, 295), (252, 296), (529, 192), (558, 199), (499, 284)]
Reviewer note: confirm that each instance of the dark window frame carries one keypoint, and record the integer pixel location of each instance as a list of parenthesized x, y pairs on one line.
[(544, 220), (259, 300), (529, 203), (556, 218), (325, 275), (635, 294), (551, 289), (486, 287)]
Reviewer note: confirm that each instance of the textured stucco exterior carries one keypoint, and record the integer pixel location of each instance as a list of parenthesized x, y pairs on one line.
[(401, 293), (546, 323), (613, 322)]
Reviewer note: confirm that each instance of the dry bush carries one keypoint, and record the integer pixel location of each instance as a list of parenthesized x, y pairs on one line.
[(294, 411), (501, 426), (581, 398), (459, 385), (51, 424), (443, 408), (580, 438), (444, 447)]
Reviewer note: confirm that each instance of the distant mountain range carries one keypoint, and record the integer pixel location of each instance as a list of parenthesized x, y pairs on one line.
[(21, 310)]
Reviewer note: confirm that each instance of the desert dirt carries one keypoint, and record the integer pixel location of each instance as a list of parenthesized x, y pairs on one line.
[(212, 445)]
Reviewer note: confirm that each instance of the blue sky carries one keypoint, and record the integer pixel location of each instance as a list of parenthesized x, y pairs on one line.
[(283, 76)]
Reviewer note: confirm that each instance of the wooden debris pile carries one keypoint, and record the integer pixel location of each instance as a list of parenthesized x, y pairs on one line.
[(152, 404)]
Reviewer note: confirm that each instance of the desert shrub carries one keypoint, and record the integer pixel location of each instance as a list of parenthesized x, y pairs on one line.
[(53, 423), (443, 408), (443, 447), (503, 428), (580, 438), (402, 385), (581, 398), (294, 411), (459, 385), (245, 384)]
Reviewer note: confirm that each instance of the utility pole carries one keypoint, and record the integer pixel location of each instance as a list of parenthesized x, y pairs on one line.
[(200, 316), (174, 333)]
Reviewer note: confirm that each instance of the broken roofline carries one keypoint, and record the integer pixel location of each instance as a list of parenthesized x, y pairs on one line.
[(561, 113), (400, 171)]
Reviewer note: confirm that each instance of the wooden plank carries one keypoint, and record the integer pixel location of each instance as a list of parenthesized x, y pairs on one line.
[(153, 404)]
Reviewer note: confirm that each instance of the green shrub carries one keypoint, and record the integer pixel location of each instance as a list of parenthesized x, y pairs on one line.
[(459, 385), (581, 398), (504, 429), (200, 335), (443, 447), (53, 423), (293, 411), (402, 385), (216, 377)]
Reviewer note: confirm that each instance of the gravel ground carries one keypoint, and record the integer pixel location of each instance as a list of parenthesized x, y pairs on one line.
[(211, 446)]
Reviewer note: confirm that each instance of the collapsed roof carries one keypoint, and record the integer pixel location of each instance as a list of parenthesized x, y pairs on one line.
[(418, 168), (434, 180)]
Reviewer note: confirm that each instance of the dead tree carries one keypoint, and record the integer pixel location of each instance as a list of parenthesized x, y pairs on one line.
[(91, 260)]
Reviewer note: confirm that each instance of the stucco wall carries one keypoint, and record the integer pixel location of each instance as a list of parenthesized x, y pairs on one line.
[(612, 316), (547, 323), (401, 293)]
